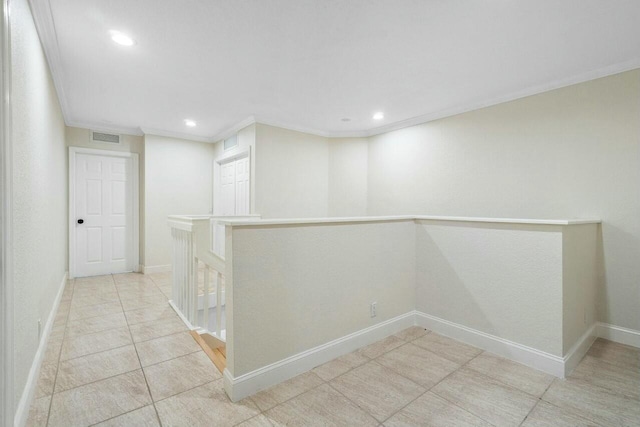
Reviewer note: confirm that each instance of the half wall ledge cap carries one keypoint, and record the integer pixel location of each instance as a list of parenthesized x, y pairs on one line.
[(294, 221)]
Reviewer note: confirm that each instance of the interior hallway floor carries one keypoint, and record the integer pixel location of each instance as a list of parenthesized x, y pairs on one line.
[(119, 356)]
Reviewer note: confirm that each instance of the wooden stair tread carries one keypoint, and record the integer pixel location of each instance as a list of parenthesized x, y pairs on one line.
[(217, 355)]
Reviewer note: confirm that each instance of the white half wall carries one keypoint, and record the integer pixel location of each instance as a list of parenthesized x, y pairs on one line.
[(336, 270), (39, 192), (501, 279), (178, 180), (567, 153)]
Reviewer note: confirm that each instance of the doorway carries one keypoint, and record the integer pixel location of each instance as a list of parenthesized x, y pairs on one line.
[(233, 182), (103, 212)]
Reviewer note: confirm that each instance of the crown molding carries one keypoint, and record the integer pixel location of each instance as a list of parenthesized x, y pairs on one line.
[(533, 90), (178, 135), (425, 118), (234, 129), (46, 28), (101, 127)]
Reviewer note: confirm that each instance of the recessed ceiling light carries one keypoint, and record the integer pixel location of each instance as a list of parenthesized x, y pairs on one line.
[(378, 116), (190, 123), (121, 38)]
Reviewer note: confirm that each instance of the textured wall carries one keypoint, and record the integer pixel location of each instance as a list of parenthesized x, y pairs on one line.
[(291, 173), (348, 159), (321, 278), (39, 189), (178, 180), (571, 152), (502, 279), (580, 278)]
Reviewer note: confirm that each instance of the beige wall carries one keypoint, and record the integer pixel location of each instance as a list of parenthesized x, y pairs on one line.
[(291, 173), (571, 152), (348, 158), (39, 190), (78, 137), (178, 180), (339, 269), (501, 279)]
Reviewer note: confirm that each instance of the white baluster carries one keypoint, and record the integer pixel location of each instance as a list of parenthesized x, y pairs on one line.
[(219, 305), (205, 303)]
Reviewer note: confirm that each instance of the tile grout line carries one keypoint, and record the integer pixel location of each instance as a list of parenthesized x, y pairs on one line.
[(141, 368), (433, 386), (64, 337)]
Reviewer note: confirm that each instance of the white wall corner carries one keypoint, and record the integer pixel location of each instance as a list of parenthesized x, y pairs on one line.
[(148, 269), (22, 411), (619, 334), (579, 349), (248, 384), (540, 360)]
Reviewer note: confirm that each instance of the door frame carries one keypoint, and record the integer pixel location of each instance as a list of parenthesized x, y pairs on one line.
[(73, 151), (217, 188), (7, 407)]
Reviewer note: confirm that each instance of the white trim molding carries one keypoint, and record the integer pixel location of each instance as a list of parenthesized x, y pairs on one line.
[(22, 411), (149, 269), (619, 334), (579, 349), (7, 400), (72, 202), (250, 383), (245, 385), (528, 356)]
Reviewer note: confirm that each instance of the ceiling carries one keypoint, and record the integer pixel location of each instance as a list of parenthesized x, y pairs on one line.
[(306, 64)]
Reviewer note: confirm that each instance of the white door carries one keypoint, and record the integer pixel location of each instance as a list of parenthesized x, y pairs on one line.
[(242, 182), (104, 241), (227, 181), (235, 182)]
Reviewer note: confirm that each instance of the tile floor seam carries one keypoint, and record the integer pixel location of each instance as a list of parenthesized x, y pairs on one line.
[(141, 368), (570, 411), (428, 389), (574, 411), (529, 413), (155, 338), (355, 403), (97, 352), (291, 398), (173, 358), (255, 416), (184, 391), (454, 403), (64, 335), (507, 384), (97, 332)]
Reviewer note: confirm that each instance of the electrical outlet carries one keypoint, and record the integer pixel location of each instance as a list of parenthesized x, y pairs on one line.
[(39, 328), (374, 309)]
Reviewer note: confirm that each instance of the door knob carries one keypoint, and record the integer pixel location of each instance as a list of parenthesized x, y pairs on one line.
[(80, 221)]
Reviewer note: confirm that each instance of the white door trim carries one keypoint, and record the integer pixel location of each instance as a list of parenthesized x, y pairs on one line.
[(7, 407), (72, 202), (217, 189)]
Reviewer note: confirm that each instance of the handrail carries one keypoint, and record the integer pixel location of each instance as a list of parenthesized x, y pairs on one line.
[(193, 251)]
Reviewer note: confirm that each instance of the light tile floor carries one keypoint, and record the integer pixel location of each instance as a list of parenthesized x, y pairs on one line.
[(119, 356)]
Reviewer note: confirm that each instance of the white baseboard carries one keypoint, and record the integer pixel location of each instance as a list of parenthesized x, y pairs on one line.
[(540, 360), (619, 334), (245, 385), (579, 349), (148, 269), (22, 411)]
